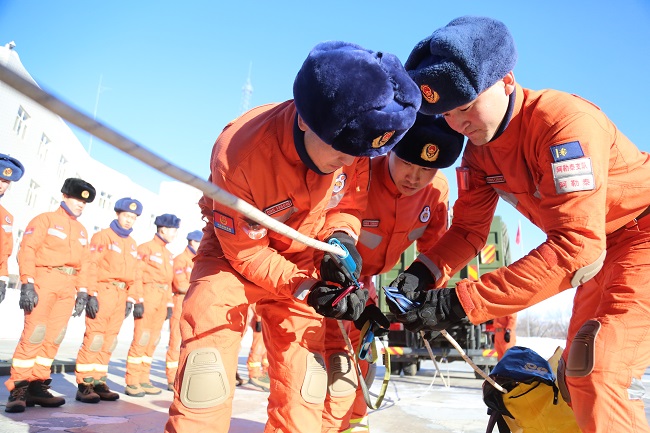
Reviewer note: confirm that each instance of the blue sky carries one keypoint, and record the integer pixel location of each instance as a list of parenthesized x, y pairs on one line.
[(172, 72)]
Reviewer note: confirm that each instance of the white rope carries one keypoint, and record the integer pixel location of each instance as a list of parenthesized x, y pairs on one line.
[(115, 139)]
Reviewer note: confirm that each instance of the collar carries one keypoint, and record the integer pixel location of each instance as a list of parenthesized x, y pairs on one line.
[(159, 239), (68, 211), (382, 171), (299, 142)]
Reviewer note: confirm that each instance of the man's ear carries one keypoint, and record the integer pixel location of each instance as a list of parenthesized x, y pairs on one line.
[(301, 124), (509, 81)]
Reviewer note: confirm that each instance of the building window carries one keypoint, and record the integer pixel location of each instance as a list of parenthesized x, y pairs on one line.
[(105, 200), (20, 124), (62, 165), (32, 194), (43, 147)]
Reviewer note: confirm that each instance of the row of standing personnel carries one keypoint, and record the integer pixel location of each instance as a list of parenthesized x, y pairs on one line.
[(108, 276)]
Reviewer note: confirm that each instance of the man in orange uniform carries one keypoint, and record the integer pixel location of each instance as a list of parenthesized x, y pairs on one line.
[(566, 167), (407, 203), (53, 262), (297, 162), (183, 264), (112, 277), (11, 170), (504, 333), (257, 362), (154, 305)]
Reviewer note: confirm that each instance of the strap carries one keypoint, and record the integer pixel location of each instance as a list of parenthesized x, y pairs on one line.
[(497, 419)]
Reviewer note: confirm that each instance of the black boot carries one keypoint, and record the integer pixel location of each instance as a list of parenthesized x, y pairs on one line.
[(16, 402), (104, 391), (85, 392), (38, 394)]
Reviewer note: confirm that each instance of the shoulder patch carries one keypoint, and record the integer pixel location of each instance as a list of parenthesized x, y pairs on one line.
[(564, 151), (339, 183), (573, 175), (223, 222), (278, 207)]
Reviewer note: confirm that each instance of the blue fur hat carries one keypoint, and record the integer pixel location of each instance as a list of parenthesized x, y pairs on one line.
[(128, 204), (10, 168), (430, 143), (167, 220), (79, 189), (196, 235), (361, 102), (459, 61)]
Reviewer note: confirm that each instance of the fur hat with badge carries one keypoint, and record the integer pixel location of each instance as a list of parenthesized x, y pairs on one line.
[(196, 235), (128, 204), (167, 220), (360, 102), (10, 168), (430, 143), (459, 61), (79, 189)]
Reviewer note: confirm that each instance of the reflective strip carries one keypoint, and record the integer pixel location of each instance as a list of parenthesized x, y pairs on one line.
[(429, 264), (172, 364), (155, 259), (134, 359), (147, 360), (58, 233), (7, 228), (47, 362), (115, 248), (84, 368), (83, 241), (254, 364), (23, 363)]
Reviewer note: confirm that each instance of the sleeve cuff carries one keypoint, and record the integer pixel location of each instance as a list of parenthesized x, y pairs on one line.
[(303, 289)]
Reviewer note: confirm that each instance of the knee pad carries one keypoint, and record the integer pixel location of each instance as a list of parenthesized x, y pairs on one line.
[(38, 335), (561, 381), (97, 343), (314, 385), (59, 338), (204, 381), (582, 354), (144, 338), (113, 345), (341, 376)]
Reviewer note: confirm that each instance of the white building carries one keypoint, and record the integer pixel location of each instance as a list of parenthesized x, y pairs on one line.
[(51, 152)]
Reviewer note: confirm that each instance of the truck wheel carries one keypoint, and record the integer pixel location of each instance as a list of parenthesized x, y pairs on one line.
[(410, 369), (485, 368), (395, 368)]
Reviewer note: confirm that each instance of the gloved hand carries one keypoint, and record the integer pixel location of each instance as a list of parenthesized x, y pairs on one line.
[(170, 311), (438, 309), (506, 336), (28, 297), (92, 307), (80, 304), (349, 307), (3, 290), (329, 268), (258, 326), (138, 310), (413, 280), (129, 308), (373, 314)]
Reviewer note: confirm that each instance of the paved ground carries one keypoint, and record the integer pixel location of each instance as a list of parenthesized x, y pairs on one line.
[(417, 404)]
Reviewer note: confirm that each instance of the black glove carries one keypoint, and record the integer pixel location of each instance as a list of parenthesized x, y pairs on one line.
[(28, 297), (3, 290), (349, 307), (129, 308), (330, 268), (170, 311), (92, 307), (138, 310), (80, 303), (506, 336), (379, 321), (258, 326), (413, 280), (438, 309)]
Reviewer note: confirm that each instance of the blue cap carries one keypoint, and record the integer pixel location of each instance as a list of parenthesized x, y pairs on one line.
[(360, 102), (10, 168), (196, 235), (167, 220), (128, 204), (459, 61), (430, 143)]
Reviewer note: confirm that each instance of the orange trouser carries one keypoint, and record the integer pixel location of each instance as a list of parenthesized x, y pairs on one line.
[(500, 344), (174, 348), (146, 334), (100, 337), (257, 361), (44, 327), (619, 298), (214, 318)]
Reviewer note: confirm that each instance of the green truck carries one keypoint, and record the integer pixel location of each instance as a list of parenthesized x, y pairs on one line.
[(407, 349)]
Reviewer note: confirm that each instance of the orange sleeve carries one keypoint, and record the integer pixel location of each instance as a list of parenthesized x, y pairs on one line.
[(33, 238), (182, 272)]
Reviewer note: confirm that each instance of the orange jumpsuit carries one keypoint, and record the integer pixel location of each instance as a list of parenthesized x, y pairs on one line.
[(54, 254), (255, 158), (183, 265), (6, 241), (257, 362), (389, 225), (156, 267), (501, 324), (566, 167), (112, 278)]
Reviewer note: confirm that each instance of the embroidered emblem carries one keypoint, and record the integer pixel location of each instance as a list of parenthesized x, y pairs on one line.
[(429, 95), (279, 207), (224, 222), (497, 178), (571, 150), (339, 183), (430, 152), (85, 194), (7, 171), (133, 206), (370, 223), (425, 214), (382, 139)]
